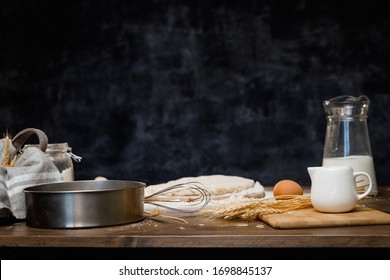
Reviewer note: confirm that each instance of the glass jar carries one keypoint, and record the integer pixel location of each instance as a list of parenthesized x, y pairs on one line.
[(61, 155)]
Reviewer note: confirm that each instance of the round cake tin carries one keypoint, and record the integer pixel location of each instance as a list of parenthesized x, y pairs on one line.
[(84, 204)]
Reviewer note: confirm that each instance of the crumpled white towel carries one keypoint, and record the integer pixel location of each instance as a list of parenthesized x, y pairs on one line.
[(33, 167)]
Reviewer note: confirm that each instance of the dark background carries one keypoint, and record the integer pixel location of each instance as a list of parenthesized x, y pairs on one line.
[(158, 90)]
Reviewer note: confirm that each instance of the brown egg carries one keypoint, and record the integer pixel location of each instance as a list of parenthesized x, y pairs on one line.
[(287, 187)]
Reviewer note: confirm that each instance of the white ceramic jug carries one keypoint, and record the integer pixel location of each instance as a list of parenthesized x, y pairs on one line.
[(333, 188)]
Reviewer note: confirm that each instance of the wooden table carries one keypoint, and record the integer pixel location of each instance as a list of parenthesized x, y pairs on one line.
[(19, 240)]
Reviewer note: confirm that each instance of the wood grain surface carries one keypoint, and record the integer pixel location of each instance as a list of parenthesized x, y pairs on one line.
[(309, 218), (202, 232)]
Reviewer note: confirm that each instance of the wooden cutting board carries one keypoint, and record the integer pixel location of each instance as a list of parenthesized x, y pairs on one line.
[(309, 218)]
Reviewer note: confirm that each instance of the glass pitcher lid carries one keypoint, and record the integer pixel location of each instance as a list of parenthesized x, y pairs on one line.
[(347, 106)]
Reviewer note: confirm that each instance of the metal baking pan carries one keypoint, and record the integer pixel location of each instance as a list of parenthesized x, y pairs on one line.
[(84, 204)]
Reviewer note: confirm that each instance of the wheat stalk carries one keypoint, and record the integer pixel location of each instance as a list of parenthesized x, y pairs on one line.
[(254, 209), (7, 161)]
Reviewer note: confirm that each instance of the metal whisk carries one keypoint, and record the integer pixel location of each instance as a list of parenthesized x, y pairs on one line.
[(192, 203)]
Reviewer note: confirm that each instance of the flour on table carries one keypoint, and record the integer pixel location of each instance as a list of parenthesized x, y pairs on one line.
[(219, 186), (222, 189)]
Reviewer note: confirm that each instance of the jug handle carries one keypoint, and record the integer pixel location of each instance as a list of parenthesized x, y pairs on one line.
[(355, 174)]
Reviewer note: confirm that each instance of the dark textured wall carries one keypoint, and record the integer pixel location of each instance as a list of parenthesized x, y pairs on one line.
[(157, 90)]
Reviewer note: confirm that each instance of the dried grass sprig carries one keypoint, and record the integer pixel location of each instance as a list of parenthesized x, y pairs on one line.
[(255, 208), (7, 161)]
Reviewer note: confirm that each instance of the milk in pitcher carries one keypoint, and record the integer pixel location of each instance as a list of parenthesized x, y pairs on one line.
[(358, 163)]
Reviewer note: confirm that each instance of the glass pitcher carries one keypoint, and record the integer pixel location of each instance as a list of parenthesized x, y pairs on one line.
[(347, 141)]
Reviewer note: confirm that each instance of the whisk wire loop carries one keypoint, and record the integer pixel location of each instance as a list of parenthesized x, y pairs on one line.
[(195, 202)]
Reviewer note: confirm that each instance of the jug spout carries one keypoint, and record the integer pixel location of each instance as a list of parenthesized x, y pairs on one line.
[(346, 106), (312, 171)]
